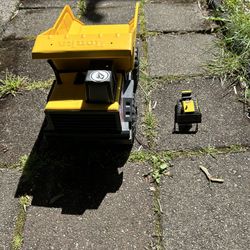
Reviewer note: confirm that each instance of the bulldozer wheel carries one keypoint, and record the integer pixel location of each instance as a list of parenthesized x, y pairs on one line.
[(134, 121), (136, 69)]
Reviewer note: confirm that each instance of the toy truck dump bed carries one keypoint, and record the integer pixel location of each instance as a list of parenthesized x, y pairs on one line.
[(69, 38), (96, 69)]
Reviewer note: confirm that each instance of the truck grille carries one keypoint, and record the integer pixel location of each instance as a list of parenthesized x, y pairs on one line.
[(85, 122)]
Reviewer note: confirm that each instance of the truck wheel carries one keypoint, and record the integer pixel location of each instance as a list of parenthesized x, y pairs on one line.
[(134, 121), (136, 70)]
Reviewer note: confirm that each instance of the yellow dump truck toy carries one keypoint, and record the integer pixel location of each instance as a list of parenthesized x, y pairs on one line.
[(96, 69)]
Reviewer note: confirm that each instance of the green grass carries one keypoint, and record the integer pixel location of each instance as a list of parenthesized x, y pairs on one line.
[(142, 21), (149, 125), (233, 61), (81, 5), (140, 156), (33, 85), (158, 160), (21, 163), (146, 155), (160, 165), (13, 84), (146, 83), (17, 241)]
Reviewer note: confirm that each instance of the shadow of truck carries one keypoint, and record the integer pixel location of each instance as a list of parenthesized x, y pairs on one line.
[(72, 175)]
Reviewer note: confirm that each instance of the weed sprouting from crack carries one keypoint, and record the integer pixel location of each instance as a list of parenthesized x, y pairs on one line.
[(81, 5), (143, 156), (158, 160), (142, 21), (21, 163), (149, 118), (25, 201), (13, 84), (17, 241), (149, 125), (160, 165), (140, 156), (33, 85), (147, 85)]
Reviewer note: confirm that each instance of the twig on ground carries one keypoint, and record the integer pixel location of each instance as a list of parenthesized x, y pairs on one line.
[(159, 204), (209, 176), (154, 106), (235, 90)]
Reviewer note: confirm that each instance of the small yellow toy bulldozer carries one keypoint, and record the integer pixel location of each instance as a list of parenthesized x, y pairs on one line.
[(96, 69), (187, 113)]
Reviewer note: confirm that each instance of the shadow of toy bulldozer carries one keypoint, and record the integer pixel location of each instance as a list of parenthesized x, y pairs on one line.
[(70, 175)]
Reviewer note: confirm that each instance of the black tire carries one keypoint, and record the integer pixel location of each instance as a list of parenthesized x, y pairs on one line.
[(136, 70), (134, 121)]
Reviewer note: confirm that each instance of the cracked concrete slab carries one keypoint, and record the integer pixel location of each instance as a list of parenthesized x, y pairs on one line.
[(177, 17), (9, 206), (174, 55), (223, 123), (202, 215), (122, 219)]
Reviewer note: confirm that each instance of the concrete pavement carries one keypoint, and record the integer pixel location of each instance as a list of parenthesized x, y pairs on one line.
[(96, 199)]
